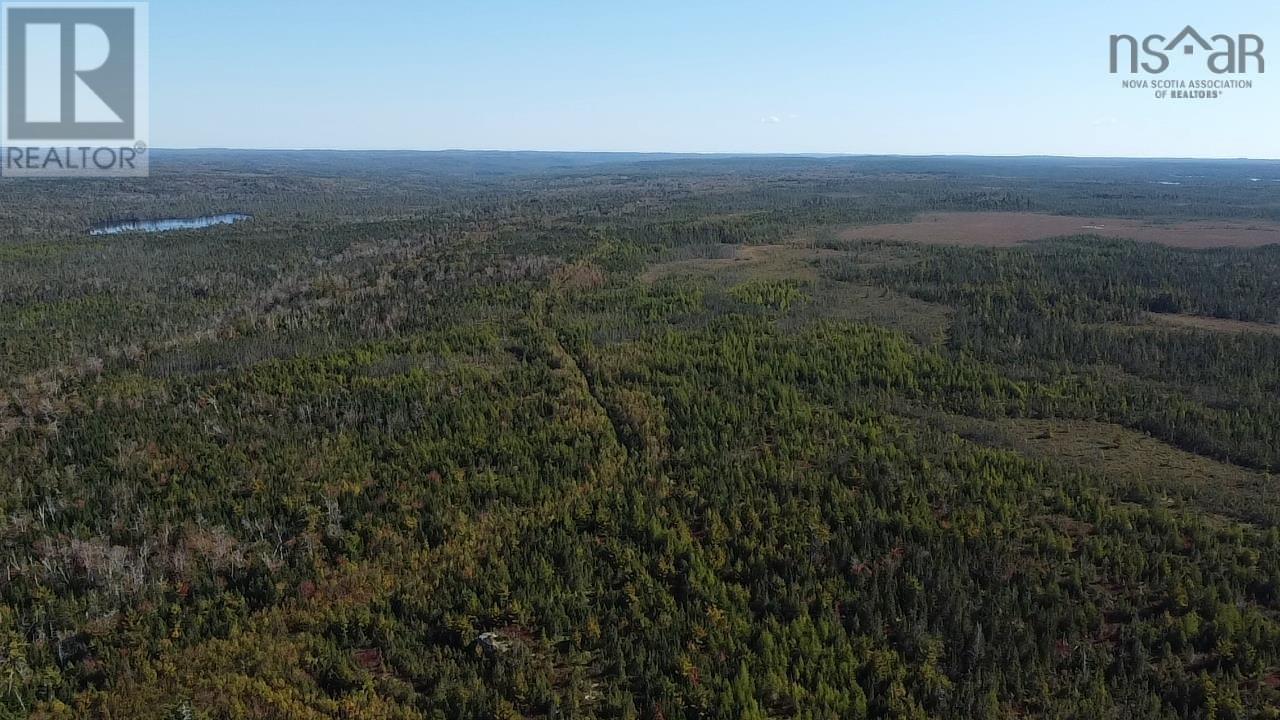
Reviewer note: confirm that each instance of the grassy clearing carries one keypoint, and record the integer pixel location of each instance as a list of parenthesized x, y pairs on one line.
[(926, 323), (1197, 322), (1130, 458), (739, 265)]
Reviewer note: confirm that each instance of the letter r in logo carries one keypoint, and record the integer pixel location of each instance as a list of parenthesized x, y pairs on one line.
[(71, 72)]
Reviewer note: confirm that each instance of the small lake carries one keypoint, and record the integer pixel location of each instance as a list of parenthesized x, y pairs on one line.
[(167, 224)]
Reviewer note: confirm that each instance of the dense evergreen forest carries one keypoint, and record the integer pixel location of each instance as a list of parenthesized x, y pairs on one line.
[(493, 435)]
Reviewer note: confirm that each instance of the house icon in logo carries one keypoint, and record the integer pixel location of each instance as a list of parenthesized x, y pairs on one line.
[(1186, 36)]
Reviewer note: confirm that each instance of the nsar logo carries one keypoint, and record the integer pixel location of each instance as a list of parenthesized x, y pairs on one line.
[(1223, 54)]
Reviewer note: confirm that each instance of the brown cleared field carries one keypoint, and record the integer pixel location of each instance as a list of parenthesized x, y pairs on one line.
[(1004, 229), (1196, 322)]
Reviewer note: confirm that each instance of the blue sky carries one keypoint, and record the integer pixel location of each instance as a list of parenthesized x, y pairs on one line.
[(850, 76)]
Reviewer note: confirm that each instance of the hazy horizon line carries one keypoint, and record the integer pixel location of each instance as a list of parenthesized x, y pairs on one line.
[(711, 153)]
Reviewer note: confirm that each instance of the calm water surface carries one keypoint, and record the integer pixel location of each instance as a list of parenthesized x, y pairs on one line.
[(167, 224)]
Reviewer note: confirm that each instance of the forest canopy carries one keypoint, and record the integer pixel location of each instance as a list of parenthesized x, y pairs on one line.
[(474, 435)]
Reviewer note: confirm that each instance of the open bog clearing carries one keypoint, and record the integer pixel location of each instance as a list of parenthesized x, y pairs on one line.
[(1222, 325), (1004, 229)]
